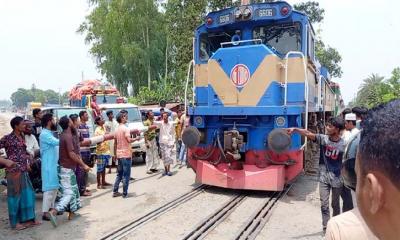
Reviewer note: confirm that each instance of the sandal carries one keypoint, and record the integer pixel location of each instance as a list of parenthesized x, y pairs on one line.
[(86, 194), (20, 227), (33, 224), (53, 219)]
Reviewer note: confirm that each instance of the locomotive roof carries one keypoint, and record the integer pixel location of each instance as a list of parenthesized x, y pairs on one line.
[(258, 5)]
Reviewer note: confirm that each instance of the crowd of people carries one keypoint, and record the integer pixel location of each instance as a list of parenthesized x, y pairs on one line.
[(359, 163), (65, 159)]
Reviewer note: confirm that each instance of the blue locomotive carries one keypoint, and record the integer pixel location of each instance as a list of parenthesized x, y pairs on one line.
[(255, 73)]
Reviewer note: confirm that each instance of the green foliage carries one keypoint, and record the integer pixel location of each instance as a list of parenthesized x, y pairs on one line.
[(376, 90), (22, 96), (128, 41), (328, 56), (170, 92), (312, 10)]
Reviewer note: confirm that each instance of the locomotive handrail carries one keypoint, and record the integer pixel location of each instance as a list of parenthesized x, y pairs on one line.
[(241, 41), (191, 66), (305, 87), (320, 105)]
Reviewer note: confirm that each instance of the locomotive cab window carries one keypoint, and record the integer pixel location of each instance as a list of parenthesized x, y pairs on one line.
[(282, 38), (211, 42)]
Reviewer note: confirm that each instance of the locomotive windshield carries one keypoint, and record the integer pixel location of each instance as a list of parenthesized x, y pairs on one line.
[(211, 42), (281, 38)]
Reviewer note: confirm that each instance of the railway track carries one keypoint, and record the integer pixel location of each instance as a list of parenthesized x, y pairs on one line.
[(133, 225), (257, 221), (252, 226), (213, 220)]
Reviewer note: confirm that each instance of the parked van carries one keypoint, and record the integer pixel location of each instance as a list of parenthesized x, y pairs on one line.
[(134, 122)]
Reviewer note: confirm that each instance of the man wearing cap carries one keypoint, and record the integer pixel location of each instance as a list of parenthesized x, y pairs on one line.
[(350, 126)]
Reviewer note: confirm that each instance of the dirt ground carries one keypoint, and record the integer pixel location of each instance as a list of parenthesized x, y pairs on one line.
[(296, 216)]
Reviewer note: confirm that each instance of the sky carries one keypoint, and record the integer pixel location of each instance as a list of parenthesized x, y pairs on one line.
[(39, 44)]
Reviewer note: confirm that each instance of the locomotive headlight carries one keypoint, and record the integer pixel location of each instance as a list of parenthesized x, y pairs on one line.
[(238, 14), (198, 121), (280, 121), (247, 13)]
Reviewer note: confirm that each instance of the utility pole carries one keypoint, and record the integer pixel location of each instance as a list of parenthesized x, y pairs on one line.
[(59, 96)]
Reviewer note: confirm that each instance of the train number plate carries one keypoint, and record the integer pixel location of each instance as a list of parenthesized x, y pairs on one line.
[(266, 12), (224, 19)]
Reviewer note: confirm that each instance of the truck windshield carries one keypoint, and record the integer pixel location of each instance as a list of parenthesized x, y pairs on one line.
[(133, 113), (281, 38), (101, 99)]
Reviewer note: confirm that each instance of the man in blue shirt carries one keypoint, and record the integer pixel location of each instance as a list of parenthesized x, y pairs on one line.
[(49, 155), (332, 147)]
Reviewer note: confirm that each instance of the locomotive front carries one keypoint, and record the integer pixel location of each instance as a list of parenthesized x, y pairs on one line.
[(254, 75)]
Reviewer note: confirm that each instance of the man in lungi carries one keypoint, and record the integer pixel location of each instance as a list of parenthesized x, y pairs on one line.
[(69, 160), (20, 194), (167, 142)]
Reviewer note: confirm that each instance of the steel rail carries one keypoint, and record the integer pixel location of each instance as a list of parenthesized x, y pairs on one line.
[(201, 230), (133, 225), (257, 221)]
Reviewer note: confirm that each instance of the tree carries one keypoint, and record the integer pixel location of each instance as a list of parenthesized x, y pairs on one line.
[(182, 18), (328, 56), (312, 10), (128, 41), (371, 91), (21, 97)]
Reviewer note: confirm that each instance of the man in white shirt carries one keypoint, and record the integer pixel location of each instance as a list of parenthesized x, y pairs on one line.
[(32, 145), (350, 125), (167, 142), (111, 126)]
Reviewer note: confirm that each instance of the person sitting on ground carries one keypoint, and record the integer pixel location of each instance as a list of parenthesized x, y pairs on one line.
[(332, 147), (378, 171)]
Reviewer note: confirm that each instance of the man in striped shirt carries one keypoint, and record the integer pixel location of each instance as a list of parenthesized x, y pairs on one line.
[(82, 176)]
